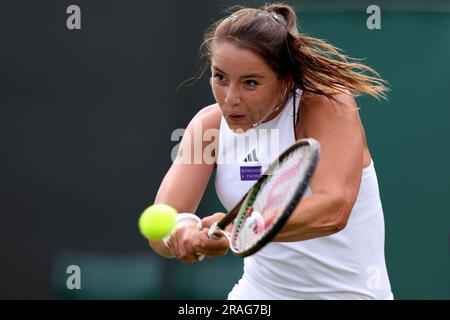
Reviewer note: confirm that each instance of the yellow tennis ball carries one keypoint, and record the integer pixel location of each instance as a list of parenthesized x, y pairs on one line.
[(157, 221)]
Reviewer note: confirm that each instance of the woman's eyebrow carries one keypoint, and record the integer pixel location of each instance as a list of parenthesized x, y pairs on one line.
[(251, 75)]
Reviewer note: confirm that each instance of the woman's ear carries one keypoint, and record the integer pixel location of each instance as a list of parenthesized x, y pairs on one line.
[(289, 82), (288, 85)]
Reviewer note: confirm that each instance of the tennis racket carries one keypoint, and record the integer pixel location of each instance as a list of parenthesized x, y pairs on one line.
[(266, 207)]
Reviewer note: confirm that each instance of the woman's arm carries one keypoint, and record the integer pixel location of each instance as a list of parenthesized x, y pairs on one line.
[(185, 182), (336, 181)]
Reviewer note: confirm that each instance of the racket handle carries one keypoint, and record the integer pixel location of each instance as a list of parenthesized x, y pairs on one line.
[(215, 232), (184, 217), (212, 231), (201, 257)]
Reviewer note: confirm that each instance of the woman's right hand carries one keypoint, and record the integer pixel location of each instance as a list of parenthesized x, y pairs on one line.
[(181, 242)]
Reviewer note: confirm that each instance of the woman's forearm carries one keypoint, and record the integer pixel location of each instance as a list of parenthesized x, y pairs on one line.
[(317, 215)]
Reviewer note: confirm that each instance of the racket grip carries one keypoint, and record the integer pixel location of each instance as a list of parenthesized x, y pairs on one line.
[(201, 257), (217, 233), (212, 231)]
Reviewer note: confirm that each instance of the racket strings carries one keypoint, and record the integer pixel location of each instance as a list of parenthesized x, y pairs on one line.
[(275, 194)]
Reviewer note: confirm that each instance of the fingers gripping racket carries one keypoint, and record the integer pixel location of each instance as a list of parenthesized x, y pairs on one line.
[(268, 204)]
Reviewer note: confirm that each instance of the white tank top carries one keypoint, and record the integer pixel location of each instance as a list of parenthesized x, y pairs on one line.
[(349, 264)]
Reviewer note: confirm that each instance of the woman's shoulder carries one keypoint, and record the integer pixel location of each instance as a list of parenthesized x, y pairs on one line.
[(209, 117), (344, 97), (342, 104), (318, 110)]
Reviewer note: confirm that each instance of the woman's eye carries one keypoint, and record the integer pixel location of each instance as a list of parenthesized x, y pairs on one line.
[(250, 83), (219, 76)]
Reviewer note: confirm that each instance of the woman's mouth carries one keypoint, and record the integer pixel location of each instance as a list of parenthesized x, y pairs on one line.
[(236, 117)]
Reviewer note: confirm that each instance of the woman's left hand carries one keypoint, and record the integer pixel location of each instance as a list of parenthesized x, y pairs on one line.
[(211, 247)]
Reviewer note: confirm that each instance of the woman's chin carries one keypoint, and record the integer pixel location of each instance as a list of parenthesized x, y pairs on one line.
[(236, 122), (238, 128)]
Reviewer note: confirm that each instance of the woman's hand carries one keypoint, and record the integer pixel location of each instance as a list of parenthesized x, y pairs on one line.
[(211, 247), (187, 242), (181, 242)]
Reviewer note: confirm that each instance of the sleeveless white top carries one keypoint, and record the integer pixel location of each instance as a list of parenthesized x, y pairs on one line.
[(349, 264)]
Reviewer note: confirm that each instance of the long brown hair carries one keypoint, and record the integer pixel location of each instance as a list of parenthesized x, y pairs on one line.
[(313, 64)]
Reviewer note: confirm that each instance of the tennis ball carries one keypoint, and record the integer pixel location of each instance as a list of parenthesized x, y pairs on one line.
[(157, 221)]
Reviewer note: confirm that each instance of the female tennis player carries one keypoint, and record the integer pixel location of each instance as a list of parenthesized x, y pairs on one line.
[(269, 78)]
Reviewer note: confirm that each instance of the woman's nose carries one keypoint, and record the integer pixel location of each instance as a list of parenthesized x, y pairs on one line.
[(232, 96)]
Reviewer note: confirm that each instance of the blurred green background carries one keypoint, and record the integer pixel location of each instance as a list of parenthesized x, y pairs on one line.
[(86, 120)]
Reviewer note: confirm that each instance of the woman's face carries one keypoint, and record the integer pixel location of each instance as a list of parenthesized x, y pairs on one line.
[(245, 87)]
